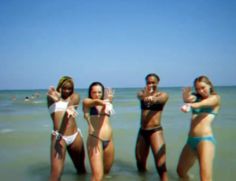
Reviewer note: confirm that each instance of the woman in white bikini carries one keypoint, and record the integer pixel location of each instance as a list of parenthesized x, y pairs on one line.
[(97, 110), (62, 104), (205, 105)]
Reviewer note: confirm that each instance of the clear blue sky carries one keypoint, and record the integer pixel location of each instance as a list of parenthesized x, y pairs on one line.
[(116, 42)]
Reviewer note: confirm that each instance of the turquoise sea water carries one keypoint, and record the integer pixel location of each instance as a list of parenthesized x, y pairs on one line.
[(25, 129)]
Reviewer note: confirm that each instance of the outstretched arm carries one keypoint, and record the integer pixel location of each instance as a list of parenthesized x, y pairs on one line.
[(143, 94), (211, 101), (160, 98), (88, 102)]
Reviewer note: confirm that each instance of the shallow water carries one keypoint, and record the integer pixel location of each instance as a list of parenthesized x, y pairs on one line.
[(25, 131)]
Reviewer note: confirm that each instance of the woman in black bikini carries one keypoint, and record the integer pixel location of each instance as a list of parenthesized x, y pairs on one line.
[(151, 133), (97, 110)]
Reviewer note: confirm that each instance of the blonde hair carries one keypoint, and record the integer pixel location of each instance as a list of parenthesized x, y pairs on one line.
[(206, 80), (64, 80)]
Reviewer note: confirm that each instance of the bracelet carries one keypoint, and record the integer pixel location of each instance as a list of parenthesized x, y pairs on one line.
[(58, 137)]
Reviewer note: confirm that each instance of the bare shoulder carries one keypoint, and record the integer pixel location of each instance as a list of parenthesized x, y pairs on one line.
[(140, 93), (75, 98), (86, 102), (164, 95), (216, 97)]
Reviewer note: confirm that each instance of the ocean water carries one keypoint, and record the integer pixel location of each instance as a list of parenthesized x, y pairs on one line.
[(25, 129)]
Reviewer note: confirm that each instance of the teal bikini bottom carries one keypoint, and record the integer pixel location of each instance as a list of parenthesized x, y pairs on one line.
[(194, 141)]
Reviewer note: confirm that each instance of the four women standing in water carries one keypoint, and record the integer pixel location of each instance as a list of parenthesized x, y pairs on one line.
[(97, 108)]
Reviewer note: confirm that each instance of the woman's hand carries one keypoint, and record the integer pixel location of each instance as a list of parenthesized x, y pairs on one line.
[(186, 92), (186, 108), (52, 93), (187, 95), (90, 129), (71, 112), (109, 94), (58, 147)]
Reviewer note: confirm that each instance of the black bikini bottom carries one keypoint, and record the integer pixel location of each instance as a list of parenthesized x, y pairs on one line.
[(104, 142)]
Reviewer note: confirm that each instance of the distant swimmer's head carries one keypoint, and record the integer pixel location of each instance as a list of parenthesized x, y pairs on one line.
[(27, 98), (65, 86)]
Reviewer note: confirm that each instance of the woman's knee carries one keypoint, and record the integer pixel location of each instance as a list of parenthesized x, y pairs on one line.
[(162, 169), (205, 175), (97, 176), (107, 170), (181, 173), (141, 165), (55, 176)]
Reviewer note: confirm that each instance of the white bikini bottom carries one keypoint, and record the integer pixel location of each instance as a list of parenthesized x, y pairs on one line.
[(68, 139)]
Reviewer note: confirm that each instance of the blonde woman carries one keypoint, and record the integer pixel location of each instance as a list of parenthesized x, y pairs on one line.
[(205, 105), (62, 103)]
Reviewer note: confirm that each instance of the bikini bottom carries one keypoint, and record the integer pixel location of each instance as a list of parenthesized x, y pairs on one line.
[(68, 139), (104, 142), (194, 141)]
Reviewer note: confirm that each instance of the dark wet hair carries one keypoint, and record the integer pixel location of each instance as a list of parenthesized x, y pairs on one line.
[(95, 84), (152, 75), (63, 80), (206, 80)]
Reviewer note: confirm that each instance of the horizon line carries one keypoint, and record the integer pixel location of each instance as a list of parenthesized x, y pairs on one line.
[(22, 89)]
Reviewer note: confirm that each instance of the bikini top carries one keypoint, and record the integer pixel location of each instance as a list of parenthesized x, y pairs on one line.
[(95, 112), (208, 110), (58, 106), (204, 110), (153, 107), (108, 110)]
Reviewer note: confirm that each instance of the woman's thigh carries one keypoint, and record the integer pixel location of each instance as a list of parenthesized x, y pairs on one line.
[(206, 153), (109, 153), (186, 160), (95, 154)]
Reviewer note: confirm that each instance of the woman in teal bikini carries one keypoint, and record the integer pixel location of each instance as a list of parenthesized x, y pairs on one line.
[(97, 110), (205, 105), (66, 136)]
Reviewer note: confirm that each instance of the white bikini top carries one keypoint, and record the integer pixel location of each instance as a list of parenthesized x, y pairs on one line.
[(58, 106)]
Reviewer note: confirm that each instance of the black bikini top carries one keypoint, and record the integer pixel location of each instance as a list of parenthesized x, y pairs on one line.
[(153, 107), (94, 112)]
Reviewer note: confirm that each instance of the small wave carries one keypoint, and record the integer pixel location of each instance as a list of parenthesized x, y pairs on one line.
[(46, 125), (38, 102), (7, 130)]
